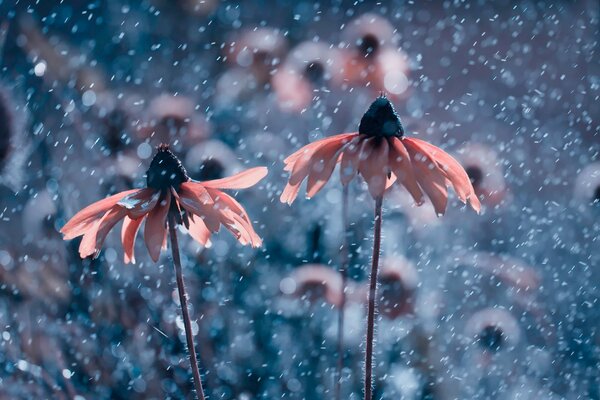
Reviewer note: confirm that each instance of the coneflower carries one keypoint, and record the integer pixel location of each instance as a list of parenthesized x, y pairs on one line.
[(171, 198), (382, 155)]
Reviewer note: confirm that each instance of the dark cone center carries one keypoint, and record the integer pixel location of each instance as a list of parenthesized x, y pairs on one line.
[(314, 72), (475, 175), (381, 120), (596, 197), (368, 45), (491, 338), (165, 170)]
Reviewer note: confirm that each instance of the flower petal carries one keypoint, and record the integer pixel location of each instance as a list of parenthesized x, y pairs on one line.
[(243, 180), (349, 162), (128, 235), (235, 218), (198, 231), (93, 239), (311, 147), (374, 165), (453, 170), (140, 203), (196, 205), (290, 192), (85, 218), (430, 177), (197, 189), (155, 229), (322, 165), (402, 168)]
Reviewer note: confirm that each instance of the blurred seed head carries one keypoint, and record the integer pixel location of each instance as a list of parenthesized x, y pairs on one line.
[(371, 57), (212, 159), (173, 119), (7, 126), (587, 185), (398, 281), (485, 170), (368, 33), (260, 50), (307, 68), (493, 329), (315, 283)]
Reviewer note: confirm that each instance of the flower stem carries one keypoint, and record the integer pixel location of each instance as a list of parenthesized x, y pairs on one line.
[(344, 257), (372, 297), (184, 308)]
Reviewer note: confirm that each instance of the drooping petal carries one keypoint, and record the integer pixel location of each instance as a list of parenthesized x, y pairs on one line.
[(128, 235), (243, 180), (349, 162), (85, 218), (311, 147), (290, 192), (402, 168), (453, 170), (374, 166), (93, 239), (198, 231), (155, 229), (203, 206), (430, 177), (140, 203), (235, 217), (322, 165), (195, 190)]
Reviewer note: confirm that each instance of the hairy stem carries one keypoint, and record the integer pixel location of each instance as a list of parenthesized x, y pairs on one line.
[(344, 258), (184, 308), (372, 297)]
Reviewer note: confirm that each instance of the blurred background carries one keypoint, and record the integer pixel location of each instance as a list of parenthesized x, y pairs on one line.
[(498, 306)]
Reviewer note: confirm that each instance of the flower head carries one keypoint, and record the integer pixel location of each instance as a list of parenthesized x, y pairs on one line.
[(382, 155), (200, 206)]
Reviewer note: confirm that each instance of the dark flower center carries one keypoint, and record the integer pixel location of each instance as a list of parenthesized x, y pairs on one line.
[(491, 338), (5, 128), (314, 72), (596, 198), (368, 45), (394, 294), (475, 175), (381, 120), (165, 170)]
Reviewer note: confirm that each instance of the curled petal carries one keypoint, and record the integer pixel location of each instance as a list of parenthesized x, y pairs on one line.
[(243, 180), (155, 229), (84, 219), (453, 170), (403, 170), (128, 235), (430, 177), (94, 237)]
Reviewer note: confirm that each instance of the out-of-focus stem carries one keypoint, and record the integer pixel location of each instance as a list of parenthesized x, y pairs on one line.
[(184, 308), (372, 297), (344, 258)]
